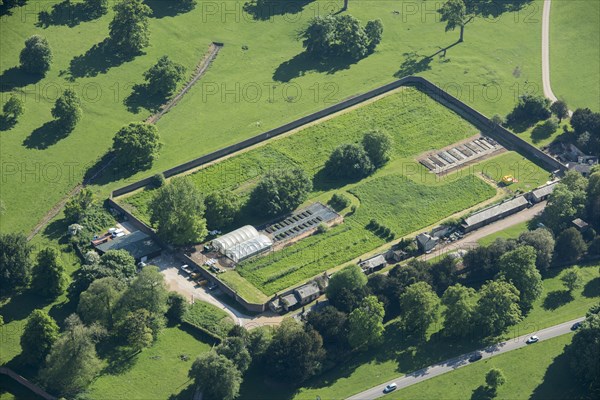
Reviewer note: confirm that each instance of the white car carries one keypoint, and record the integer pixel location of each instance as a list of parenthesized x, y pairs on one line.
[(390, 388), (532, 339)]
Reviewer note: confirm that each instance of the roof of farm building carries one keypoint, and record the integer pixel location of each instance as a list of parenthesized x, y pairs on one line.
[(249, 248), (137, 243), (544, 190), (496, 210), (234, 238)]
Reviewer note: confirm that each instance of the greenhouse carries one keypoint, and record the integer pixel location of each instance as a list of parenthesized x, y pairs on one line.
[(242, 243)]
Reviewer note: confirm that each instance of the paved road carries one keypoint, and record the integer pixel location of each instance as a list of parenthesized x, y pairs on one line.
[(470, 241), (546, 51), (462, 360)]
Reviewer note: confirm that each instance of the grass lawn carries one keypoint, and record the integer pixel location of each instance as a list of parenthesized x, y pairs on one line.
[(545, 366), (512, 232), (209, 317), (261, 63), (395, 356), (574, 61), (541, 137), (157, 372)]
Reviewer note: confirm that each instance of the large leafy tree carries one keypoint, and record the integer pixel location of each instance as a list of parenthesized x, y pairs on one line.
[(177, 211), (98, 302), (136, 145), (331, 325), (147, 291), (419, 307), (119, 264), (234, 348), (518, 268), (497, 307), (560, 109), (570, 245), (571, 278), (365, 323), (216, 376), (349, 282), (560, 210), (13, 108), (72, 363), (136, 329), (162, 78), (67, 110), (593, 199), (221, 209), (584, 352), (49, 277), (543, 243), (77, 205), (349, 161), (454, 14), (15, 262), (96, 8), (40, 333), (129, 28), (377, 146), (280, 191), (36, 57), (459, 311), (295, 353)]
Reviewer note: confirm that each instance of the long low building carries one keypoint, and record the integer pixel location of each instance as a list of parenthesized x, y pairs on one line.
[(494, 213), (242, 243)]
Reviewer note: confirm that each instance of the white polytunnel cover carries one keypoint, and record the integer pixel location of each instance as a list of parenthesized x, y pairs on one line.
[(242, 243), (233, 238)]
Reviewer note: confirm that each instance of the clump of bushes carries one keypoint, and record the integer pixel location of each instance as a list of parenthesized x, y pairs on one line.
[(339, 201), (158, 180), (380, 230)]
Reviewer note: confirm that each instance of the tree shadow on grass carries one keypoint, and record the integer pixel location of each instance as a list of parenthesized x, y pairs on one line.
[(541, 132), (97, 60), (7, 123), (170, 8), (592, 288), (185, 394), (141, 97), (120, 359), (66, 13), (105, 170), (303, 63), (61, 311), (559, 381), (323, 181), (7, 5), (483, 392), (21, 305), (557, 299), (413, 64), (15, 77), (46, 135), (267, 9)]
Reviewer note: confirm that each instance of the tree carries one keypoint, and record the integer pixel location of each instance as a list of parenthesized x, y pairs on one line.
[(518, 268), (571, 278), (330, 323), (560, 210), (459, 311), (377, 145), (147, 291), (235, 349), (162, 78), (221, 209), (295, 353), (178, 306), (49, 278), (349, 161), (96, 8), (419, 307), (374, 32), (543, 242), (349, 280), (454, 14), (72, 363), (280, 191), (177, 211), (77, 205), (15, 264), (216, 376), (584, 120), (495, 378), (67, 110), (584, 352), (365, 323), (497, 119), (40, 333), (119, 264), (258, 341), (529, 109), (13, 108), (99, 301), (570, 245), (36, 57), (136, 145), (497, 307), (560, 109), (136, 329), (129, 28)]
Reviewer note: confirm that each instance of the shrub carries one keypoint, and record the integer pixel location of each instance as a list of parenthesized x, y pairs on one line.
[(349, 161), (322, 228), (339, 201), (158, 180)]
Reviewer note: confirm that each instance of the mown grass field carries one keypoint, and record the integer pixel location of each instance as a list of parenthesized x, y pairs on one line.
[(574, 60), (545, 366), (209, 317), (395, 356), (272, 83), (509, 233)]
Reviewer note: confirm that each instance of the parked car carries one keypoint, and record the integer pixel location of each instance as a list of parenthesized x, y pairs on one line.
[(576, 326), (475, 357), (532, 339), (390, 388), (212, 286)]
